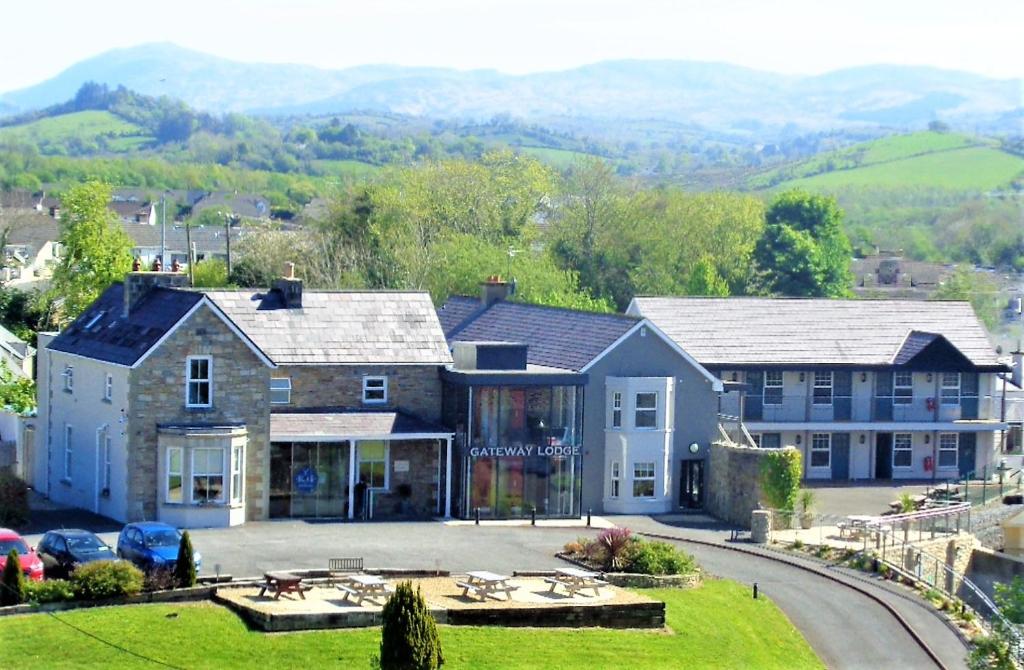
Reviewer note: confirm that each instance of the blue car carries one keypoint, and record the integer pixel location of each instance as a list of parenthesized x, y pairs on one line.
[(151, 545)]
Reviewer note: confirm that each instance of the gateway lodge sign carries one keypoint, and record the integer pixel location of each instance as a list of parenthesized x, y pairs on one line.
[(524, 451)]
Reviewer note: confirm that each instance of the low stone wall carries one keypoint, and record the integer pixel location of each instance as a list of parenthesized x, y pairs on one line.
[(986, 568), (734, 482), (632, 615), (193, 594), (632, 580)]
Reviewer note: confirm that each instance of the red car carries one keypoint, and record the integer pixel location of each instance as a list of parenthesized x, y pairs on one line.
[(30, 563)]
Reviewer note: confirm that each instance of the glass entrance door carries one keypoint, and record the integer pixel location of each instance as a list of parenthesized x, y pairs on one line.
[(309, 479), (691, 494)]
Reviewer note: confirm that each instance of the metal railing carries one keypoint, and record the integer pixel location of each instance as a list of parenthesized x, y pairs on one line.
[(801, 407)]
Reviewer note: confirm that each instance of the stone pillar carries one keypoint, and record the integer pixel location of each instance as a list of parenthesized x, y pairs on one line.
[(761, 526)]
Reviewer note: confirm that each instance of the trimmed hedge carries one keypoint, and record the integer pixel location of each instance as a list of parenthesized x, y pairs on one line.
[(106, 579), (50, 591), (658, 558)]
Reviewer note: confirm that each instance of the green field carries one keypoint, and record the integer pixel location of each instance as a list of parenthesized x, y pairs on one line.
[(940, 160), (560, 159), (344, 168), (718, 625), (86, 127)]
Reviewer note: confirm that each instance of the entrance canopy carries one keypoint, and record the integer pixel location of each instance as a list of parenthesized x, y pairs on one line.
[(327, 426)]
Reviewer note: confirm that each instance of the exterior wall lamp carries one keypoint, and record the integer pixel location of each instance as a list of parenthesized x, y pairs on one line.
[(801, 379), (798, 439), (929, 377), (863, 438), (863, 377)]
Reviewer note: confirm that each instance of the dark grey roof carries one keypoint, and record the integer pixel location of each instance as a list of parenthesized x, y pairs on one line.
[(777, 331), (25, 199), (208, 239), (345, 423), (243, 204), (17, 347), (30, 228), (914, 344), (116, 339), (455, 311), (340, 327), (558, 338)]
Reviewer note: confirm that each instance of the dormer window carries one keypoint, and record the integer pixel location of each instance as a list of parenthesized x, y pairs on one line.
[(375, 390), (199, 381)]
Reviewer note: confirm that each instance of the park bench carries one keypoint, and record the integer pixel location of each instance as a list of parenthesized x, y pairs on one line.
[(338, 568)]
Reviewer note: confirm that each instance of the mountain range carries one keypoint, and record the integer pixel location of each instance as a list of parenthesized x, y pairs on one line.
[(718, 96)]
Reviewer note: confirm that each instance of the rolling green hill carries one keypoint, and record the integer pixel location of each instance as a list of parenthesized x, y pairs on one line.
[(924, 159), (87, 127)]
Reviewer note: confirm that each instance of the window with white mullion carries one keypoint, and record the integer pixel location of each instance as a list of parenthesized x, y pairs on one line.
[(950, 390), (617, 409), (645, 410), (902, 450), (821, 450), (643, 480), (772, 387), (949, 444), (616, 476), (822, 392), (903, 388), (207, 475), (199, 381)]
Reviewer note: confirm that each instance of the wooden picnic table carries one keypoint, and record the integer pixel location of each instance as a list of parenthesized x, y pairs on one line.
[(575, 580), (364, 587), (483, 584), (282, 582)]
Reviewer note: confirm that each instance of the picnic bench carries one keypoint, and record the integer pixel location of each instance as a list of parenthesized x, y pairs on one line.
[(855, 524), (483, 584), (283, 582), (575, 580), (338, 568), (364, 587)]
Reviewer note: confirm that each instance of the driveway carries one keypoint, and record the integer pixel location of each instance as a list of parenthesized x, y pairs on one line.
[(834, 499)]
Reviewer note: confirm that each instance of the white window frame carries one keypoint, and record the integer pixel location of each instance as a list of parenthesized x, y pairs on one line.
[(108, 448), (640, 474), (616, 409), (237, 474), (944, 386), (756, 437), (180, 472), (819, 382), (387, 464), (383, 380), (285, 387), (906, 387), (69, 378), (615, 479), (816, 440), (69, 451), (948, 442), (776, 379), (907, 447), (108, 387), (222, 498), (646, 410), (208, 381)]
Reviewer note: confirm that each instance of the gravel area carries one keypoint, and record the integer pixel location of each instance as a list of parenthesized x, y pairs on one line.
[(986, 523)]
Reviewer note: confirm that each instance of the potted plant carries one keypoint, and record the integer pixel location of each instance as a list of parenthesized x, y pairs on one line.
[(807, 508)]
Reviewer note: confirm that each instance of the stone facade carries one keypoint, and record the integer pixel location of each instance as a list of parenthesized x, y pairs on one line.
[(240, 397), (415, 389), (734, 482), (420, 476)]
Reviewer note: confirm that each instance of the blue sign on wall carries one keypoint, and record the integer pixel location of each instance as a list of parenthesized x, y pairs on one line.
[(306, 480)]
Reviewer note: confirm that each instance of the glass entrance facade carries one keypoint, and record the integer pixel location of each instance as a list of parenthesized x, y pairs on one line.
[(309, 479), (523, 451)]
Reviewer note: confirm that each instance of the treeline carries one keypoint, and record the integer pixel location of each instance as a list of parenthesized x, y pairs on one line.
[(590, 240)]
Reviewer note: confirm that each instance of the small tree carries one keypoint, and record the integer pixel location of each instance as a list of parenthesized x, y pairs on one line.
[(409, 638), (185, 568), (780, 478), (12, 587)]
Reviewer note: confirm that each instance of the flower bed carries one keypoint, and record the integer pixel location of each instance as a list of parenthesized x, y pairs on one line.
[(627, 560)]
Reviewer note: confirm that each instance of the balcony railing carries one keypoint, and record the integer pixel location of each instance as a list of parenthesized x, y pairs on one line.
[(803, 408)]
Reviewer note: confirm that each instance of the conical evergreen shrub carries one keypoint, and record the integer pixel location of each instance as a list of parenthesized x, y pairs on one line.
[(409, 638), (185, 568), (12, 587)]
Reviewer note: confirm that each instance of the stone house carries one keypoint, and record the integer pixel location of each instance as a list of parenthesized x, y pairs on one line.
[(213, 408), (865, 389)]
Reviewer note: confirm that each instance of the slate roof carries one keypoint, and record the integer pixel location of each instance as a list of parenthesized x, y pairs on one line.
[(30, 228), (455, 311), (777, 331), (339, 327), (347, 423), (116, 339), (557, 338), (208, 239), (13, 344)]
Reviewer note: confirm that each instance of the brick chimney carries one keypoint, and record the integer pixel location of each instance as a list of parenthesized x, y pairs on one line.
[(496, 289), (290, 287), (138, 283)]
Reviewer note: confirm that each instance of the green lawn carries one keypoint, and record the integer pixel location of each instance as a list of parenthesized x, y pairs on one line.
[(560, 159), (85, 126), (347, 168), (971, 168), (718, 625)]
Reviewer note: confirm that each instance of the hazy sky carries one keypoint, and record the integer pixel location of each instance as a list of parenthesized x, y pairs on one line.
[(39, 38)]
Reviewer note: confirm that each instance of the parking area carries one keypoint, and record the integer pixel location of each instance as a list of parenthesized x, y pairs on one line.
[(871, 498)]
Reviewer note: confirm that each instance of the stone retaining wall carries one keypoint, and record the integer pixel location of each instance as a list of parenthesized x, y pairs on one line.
[(734, 482), (632, 615)]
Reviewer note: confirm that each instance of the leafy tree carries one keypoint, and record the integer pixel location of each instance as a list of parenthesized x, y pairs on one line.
[(705, 280), (780, 478), (409, 639), (17, 393), (977, 288), (804, 250), (210, 273), (12, 585), (185, 566), (96, 249)]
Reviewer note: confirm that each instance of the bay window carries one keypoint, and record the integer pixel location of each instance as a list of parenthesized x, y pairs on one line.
[(175, 475), (237, 459), (616, 475), (616, 409), (645, 414), (643, 480), (207, 475)]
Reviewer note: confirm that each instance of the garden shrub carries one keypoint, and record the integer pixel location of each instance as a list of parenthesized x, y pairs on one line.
[(50, 591), (408, 638), (106, 579), (990, 652), (159, 579), (12, 585), (13, 500), (780, 478), (185, 567), (573, 548), (613, 543), (658, 558)]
